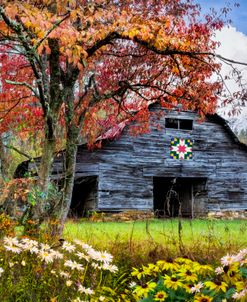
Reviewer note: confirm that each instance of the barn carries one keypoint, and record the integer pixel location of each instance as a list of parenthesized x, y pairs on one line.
[(183, 167), (186, 167)]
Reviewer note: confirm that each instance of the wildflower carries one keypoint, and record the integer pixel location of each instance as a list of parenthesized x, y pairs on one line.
[(172, 282), (145, 289), (1, 271), (216, 286), (46, 256), (57, 254), (160, 296), (187, 275), (69, 283), (101, 298), (203, 298), (78, 300), (23, 263), (139, 273), (167, 265), (73, 265), (219, 270), (103, 256), (34, 250), (110, 267), (96, 265), (240, 295), (10, 241), (196, 288), (87, 291), (83, 256), (132, 284), (13, 249), (11, 264), (64, 274), (68, 246), (45, 247), (228, 259)]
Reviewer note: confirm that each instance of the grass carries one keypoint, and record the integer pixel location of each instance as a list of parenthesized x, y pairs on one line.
[(140, 242)]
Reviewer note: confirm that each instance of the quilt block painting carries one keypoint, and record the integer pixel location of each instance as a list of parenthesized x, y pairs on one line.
[(181, 148)]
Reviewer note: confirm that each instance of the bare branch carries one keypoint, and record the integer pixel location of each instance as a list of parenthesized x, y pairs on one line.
[(23, 84)]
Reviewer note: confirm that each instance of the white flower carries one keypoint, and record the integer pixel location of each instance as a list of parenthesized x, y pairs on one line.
[(110, 267), (23, 263), (69, 283), (219, 270), (68, 247), (45, 247), (83, 256), (64, 274), (103, 257), (87, 291), (46, 256), (13, 249), (96, 265), (73, 265), (132, 284), (28, 244), (57, 254), (196, 288), (101, 298), (78, 300), (34, 250), (1, 271), (239, 295), (10, 241), (11, 264), (228, 259)]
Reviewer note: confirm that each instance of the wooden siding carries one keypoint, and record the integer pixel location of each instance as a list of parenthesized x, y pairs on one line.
[(126, 167)]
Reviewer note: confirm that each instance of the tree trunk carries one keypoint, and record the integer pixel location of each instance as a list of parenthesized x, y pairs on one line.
[(70, 157)]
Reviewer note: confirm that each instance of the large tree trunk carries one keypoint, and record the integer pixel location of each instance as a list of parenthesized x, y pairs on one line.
[(71, 152)]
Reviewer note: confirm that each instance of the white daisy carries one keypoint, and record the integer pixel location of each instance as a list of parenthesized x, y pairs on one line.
[(73, 265), (68, 246)]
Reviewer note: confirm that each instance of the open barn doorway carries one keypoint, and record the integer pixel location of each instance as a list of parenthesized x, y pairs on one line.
[(84, 196), (179, 197)]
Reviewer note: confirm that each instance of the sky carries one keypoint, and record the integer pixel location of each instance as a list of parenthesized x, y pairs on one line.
[(233, 41), (238, 15)]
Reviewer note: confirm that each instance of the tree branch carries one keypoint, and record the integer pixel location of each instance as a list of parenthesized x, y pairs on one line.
[(23, 84)]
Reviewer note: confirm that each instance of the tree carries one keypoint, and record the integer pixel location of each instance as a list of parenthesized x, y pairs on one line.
[(92, 64)]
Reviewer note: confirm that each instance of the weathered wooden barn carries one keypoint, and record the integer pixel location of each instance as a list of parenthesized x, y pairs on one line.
[(187, 168)]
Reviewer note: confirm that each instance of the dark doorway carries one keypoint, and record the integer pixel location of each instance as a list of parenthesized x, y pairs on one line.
[(175, 197), (84, 196)]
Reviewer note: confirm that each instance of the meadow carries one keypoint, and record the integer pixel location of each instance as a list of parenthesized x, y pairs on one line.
[(160, 260), (139, 242)]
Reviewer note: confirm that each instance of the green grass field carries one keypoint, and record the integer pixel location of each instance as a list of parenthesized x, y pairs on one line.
[(143, 241)]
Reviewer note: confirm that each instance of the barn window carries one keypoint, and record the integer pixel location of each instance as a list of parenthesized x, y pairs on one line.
[(179, 124)]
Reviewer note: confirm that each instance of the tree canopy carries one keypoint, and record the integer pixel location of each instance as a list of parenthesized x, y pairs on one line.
[(81, 67)]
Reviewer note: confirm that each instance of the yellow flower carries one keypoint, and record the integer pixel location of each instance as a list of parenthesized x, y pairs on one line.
[(216, 286), (231, 273), (204, 270), (203, 298), (167, 265), (187, 275), (139, 273), (172, 282), (160, 296), (145, 289)]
